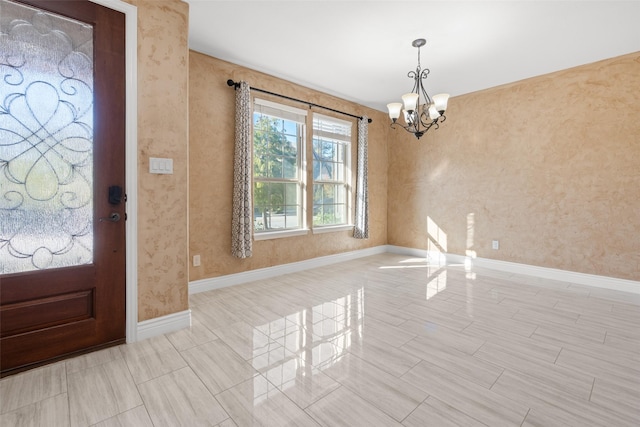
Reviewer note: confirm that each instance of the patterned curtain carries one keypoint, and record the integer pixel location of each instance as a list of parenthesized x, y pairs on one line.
[(241, 223), (361, 229)]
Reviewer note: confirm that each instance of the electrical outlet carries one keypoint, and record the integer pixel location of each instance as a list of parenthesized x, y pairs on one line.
[(196, 260), (495, 244)]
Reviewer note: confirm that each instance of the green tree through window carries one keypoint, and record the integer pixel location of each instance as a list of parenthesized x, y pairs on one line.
[(331, 171), (276, 159)]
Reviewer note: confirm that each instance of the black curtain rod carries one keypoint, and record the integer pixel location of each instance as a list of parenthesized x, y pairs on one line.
[(310, 104)]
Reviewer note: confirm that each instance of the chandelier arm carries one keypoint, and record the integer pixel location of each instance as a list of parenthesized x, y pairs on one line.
[(423, 76), (408, 128), (430, 123), (425, 120)]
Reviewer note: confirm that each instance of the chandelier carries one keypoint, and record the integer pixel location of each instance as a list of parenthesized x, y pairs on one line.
[(421, 112)]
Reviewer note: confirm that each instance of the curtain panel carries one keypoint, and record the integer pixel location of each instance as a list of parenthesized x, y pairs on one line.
[(242, 217), (361, 229)]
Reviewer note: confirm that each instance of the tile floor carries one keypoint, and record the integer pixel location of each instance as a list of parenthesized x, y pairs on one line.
[(383, 340)]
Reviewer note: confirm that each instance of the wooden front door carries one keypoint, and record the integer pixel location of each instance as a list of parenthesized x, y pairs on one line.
[(62, 180)]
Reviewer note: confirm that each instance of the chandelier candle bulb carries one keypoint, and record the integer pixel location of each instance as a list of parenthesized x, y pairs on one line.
[(410, 101), (394, 110), (440, 101), (407, 117), (433, 113)]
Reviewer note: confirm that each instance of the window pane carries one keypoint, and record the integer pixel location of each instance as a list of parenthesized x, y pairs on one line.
[(340, 194), (317, 194), (340, 172), (329, 160), (275, 146), (292, 194), (274, 167), (327, 171), (278, 134), (260, 206), (329, 204), (331, 145), (328, 150), (292, 218), (276, 197), (290, 167), (292, 206), (340, 156), (46, 140), (276, 206)]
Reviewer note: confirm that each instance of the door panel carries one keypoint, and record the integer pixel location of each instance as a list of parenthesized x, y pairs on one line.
[(62, 139)]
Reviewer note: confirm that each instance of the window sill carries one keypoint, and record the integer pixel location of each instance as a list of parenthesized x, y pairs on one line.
[(268, 235), (331, 228)]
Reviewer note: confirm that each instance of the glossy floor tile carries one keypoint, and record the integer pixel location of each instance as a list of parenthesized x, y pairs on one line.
[(100, 392), (181, 399), (33, 386), (257, 402), (433, 412), (345, 408), (217, 366), (382, 340)]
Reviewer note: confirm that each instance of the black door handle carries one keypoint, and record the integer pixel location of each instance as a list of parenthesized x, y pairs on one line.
[(114, 217)]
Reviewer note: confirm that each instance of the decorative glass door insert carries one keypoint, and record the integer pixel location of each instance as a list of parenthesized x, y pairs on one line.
[(46, 140)]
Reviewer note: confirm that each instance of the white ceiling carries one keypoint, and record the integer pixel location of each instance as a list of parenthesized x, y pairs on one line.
[(361, 50)]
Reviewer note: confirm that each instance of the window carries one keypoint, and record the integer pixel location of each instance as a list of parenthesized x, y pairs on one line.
[(280, 171), (278, 153), (331, 170)]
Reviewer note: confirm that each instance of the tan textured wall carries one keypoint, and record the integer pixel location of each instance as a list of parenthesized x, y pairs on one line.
[(212, 110), (163, 61), (549, 166)]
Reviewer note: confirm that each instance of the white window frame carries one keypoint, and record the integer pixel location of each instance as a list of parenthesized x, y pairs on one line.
[(347, 178), (299, 116)]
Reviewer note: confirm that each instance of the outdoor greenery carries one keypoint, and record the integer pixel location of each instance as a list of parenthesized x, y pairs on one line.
[(275, 160), (277, 152), (328, 191)]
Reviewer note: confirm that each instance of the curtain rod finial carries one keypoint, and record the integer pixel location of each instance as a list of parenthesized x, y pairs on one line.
[(232, 83)]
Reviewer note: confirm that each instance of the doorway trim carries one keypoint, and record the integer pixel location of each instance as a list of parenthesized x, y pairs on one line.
[(131, 160)]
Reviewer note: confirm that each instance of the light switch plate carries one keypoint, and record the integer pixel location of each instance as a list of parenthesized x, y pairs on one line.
[(160, 165)]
